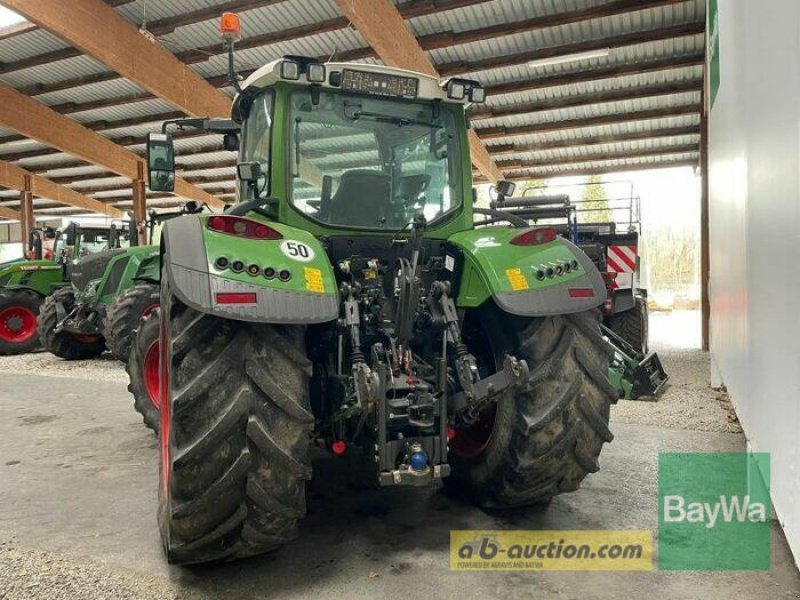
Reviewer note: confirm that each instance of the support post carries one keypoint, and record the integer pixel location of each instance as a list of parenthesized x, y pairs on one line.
[(26, 209), (140, 205), (705, 263)]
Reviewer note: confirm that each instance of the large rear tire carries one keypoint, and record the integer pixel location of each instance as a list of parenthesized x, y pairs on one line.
[(64, 344), (124, 316), (143, 370), (235, 429), (18, 311), (546, 439), (632, 325)]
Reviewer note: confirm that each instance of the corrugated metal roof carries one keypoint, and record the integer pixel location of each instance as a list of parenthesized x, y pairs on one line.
[(290, 14), (619, 163)]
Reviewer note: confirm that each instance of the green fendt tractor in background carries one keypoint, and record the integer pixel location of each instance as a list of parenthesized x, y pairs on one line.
[(24, 284), (348, 298), (109, 293), (138, 296)]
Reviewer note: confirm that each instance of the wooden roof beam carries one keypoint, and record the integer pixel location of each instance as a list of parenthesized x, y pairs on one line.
[(96, 29), (10, 213), (36, 121), (27, 27), (102, 33), (14, 177), (410, 9), (386, 31)]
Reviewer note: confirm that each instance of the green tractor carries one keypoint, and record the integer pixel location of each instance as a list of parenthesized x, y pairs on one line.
[(24, 284), (137, 295), (349, 299), (109, 293)]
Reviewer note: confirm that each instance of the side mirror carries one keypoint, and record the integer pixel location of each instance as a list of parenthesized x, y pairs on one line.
[(249, 172), (71, 234), (35, 244), (160, 162), (230, 141), (505, 189)]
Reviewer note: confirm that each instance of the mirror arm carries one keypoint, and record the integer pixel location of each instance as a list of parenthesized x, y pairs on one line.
[(212, 125)]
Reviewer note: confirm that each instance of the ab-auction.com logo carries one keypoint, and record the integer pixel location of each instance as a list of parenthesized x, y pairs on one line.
[(714, 511), (551, 550)]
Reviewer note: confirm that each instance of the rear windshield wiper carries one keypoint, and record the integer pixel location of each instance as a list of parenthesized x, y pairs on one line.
[(399, 121)]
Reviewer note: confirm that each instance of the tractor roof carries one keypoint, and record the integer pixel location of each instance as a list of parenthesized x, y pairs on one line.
[(426, 88)]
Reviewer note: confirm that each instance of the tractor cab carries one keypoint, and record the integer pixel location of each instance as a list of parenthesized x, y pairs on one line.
[(76, 241), (336, 147)]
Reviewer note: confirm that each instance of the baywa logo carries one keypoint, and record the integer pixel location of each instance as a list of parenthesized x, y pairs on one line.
[(730, 509), (714, 511)]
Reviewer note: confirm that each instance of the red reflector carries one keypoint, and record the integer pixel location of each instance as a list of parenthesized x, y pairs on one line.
[(236, 298), (609, 276), (535, 237), (242, 227), (339, 447), (581, 293)]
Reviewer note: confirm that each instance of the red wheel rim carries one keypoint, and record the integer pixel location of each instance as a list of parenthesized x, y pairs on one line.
[(150, 309), (17, 324), (163, 402), (152, 368), (469, 442)]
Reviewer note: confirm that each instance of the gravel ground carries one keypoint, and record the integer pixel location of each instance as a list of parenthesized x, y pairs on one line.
[(689, 402), (105, 368), (27, 574)]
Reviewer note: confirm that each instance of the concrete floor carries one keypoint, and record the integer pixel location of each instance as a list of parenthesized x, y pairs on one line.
[(77, 483)]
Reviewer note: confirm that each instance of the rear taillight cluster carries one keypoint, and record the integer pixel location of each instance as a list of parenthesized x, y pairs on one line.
[(242, 227), (556, 269), (535, 237)]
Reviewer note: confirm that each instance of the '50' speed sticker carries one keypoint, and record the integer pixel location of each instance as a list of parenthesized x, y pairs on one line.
[(297, 251)]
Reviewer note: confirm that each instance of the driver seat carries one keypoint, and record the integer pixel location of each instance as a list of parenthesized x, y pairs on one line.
[(362, 200)]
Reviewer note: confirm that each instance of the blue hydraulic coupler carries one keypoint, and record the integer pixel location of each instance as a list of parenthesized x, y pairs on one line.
[(418, 461)]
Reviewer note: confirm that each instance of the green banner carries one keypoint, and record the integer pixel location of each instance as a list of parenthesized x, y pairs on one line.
[(714, 511), (713, 50)]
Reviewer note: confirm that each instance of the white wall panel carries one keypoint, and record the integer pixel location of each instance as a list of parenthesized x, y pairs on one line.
[(754, 179)]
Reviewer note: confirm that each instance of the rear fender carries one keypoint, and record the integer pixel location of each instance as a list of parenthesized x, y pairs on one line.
[(36, 275), (123, 270), (15, 288), (150, 268), (190, 251), (492, 267)]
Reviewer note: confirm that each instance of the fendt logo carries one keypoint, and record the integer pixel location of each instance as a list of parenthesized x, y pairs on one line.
[(729, 508)]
